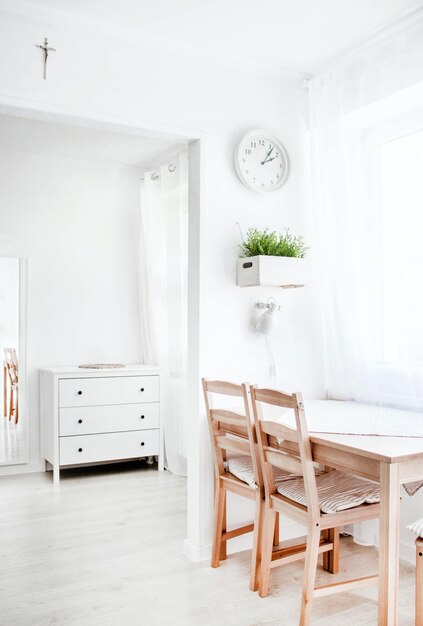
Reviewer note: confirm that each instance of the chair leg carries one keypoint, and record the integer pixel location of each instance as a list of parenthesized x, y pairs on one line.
[(310, 566), (276, 533), (256, 555), (17, 407), (268, 531), (11, 404), (331, 559), (223, 544), (219, 510), (419, 581)]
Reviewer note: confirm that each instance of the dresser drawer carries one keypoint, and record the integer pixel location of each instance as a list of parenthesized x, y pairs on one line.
[(108, 447), (74, 392), (108, 419)]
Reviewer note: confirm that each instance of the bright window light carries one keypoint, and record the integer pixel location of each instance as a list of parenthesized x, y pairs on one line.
[(401, 243)]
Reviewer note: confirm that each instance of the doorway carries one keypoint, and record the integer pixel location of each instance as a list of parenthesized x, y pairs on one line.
[(72, 142)]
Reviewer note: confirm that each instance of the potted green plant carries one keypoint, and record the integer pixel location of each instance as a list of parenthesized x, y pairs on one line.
[(271, 259)]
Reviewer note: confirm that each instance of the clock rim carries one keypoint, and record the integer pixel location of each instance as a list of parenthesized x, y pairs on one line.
[(269, 135)]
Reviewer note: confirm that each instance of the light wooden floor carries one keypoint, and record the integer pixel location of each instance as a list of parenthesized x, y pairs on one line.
[(104, 548)]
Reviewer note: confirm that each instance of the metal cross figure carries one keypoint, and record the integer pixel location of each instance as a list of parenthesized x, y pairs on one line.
[(46, 49)]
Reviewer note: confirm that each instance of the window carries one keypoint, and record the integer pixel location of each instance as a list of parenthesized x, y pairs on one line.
[(400, 165)]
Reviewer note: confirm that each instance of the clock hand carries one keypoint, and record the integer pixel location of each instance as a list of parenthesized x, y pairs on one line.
[(268, 160), (267, 155)]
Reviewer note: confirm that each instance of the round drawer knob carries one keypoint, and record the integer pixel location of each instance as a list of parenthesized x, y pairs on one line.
[(142, 443), (142, 417), (79, 393), (79, 421), (142, 389), (79, 449)]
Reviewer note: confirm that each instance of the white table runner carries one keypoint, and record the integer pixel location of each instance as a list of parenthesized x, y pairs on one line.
[(354, 418)]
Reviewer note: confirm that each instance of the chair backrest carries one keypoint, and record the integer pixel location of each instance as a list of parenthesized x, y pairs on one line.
[(283, 446), (11, 363), (230, 430)]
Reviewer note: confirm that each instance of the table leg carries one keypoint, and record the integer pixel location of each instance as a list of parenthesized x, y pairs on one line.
[(389, 544)]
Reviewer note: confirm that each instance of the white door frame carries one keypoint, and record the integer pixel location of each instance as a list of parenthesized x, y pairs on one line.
[(122, 124)]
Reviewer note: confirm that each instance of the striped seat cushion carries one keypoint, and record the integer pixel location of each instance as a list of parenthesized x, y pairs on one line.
[(417, 527), (242, 468), (336, 491)]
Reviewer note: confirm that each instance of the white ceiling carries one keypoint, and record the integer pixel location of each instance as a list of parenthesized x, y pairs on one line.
[(39, 137), (295, 35)]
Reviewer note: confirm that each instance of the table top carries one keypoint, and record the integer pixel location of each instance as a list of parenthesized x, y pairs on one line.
[(387, 449)]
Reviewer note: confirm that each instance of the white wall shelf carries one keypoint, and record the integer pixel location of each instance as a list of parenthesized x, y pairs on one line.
[(271, 271)]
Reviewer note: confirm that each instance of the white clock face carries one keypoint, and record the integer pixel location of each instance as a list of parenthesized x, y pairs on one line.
[(261, 161)]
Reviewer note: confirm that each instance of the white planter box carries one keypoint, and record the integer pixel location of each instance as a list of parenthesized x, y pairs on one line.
[(271, 271)]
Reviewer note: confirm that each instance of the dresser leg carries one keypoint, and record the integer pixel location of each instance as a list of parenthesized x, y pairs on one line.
[(161, 463), (56, 474)]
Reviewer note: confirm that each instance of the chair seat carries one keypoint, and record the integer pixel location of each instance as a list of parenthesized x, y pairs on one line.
[(242, 468), (336, 491), (417, 527)]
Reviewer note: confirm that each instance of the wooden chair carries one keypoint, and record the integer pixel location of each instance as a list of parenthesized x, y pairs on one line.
[(290, 449), (233, 432), (11, 384), (417, 529)]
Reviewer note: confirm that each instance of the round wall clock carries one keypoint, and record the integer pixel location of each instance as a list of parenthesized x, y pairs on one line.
[(261, 161)]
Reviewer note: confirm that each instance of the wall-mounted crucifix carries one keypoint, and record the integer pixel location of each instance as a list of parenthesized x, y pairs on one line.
[(46, 50)]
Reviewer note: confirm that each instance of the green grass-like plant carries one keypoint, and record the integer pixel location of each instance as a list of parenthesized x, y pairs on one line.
[(270, 243)]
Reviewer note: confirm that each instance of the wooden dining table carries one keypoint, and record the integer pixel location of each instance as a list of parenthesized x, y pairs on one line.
[(391, 460)]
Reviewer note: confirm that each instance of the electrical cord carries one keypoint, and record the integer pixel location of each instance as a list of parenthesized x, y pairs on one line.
[(272, 364)]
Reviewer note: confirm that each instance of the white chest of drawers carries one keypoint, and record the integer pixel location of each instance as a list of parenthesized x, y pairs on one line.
[(94, 416)]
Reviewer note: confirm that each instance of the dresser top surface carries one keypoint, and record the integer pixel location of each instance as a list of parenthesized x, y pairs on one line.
[(79, 372)]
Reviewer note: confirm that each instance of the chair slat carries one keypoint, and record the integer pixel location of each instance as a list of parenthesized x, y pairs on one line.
[(271, 396), (233, 445), (228, 417), (239, 431), (286, 446), (284, 461), (278, 430), (224, 387)]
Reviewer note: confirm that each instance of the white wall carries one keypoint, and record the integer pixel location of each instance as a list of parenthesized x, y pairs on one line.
[(77, 222), (148, 81)]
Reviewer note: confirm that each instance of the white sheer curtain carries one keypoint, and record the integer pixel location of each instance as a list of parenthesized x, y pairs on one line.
[(163, 271), (365, 244)]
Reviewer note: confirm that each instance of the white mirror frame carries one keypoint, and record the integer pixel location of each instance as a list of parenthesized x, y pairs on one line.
[(9, 249), (22, 391)]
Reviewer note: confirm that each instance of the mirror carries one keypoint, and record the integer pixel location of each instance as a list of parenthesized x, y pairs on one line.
[(13, 430)]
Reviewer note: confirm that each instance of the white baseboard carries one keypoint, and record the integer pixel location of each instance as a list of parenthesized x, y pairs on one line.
[(408, 552), (196, 554), (24, 468)]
